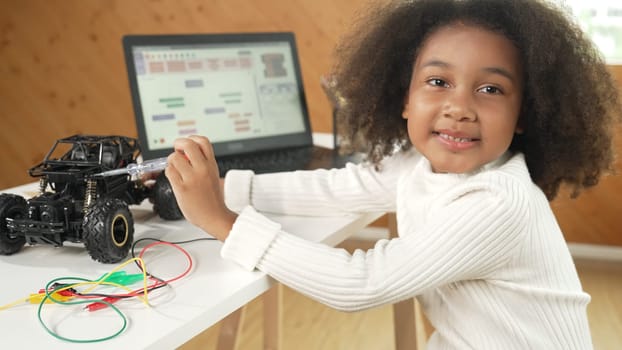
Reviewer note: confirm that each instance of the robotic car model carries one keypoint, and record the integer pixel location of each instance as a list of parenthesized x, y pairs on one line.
[(76, 205)]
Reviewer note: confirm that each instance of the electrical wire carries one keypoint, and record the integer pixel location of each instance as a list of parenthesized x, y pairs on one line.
[(48, 295), (14, 303), (54, 287), (50, 291)]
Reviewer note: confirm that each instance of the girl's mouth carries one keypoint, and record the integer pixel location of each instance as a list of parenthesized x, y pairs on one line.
[(454, 138), (455, 143)]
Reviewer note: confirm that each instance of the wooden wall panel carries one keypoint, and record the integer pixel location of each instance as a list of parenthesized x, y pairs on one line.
[(62, 70)]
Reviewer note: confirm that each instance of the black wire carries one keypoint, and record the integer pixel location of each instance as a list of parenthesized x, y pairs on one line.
[(163, 282), (132, 250)]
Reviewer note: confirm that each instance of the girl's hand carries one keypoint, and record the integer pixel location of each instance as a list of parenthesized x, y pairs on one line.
[(193, 174)]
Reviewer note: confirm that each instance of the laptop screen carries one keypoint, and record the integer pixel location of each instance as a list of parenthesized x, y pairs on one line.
[(243, 91)]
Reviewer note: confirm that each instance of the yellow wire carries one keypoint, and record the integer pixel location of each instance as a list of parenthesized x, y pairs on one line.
[(142, 264), (101, 281), (14, 303)]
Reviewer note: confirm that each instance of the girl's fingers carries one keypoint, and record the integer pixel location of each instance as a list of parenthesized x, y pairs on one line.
[(204, 144), (193, 156), (180, 161), (190, 149), (172, 173)]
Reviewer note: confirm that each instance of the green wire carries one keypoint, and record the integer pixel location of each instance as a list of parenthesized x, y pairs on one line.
[(48, 295)]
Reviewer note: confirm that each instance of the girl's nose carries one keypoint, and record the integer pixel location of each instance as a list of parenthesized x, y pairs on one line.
[(459, 106)]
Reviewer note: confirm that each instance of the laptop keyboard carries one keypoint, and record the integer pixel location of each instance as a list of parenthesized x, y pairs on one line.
[(267, 162)]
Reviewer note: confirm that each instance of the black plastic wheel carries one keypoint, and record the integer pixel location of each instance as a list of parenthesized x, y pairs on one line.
[(164, 202), (108, 230), (11, 207)]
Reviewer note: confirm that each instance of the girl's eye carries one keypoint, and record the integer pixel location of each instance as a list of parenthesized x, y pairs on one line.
[(438, 82), (491, 90)]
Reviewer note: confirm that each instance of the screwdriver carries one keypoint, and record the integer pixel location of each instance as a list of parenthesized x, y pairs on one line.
[(145, 167)]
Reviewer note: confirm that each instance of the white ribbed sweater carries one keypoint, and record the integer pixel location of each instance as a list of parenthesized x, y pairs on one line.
[(482, 252)]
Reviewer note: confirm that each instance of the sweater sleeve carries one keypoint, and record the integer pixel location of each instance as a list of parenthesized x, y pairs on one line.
[(355, 188), (465, 239)]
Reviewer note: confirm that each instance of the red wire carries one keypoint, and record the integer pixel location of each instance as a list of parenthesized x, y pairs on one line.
[(176, 247), (157, 282)]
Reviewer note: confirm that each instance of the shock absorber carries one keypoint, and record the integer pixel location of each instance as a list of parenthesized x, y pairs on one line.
[(43, 184), (90, 194)]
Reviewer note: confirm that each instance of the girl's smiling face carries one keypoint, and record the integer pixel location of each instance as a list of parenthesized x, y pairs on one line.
[(464, 97)]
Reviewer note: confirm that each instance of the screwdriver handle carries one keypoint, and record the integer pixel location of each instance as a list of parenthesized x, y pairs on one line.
[(147, 166)]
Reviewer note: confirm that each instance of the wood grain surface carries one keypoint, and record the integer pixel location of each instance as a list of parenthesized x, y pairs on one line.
[(63, 73)]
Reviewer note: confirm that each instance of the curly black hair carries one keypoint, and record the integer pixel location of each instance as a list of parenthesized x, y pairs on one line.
[(570, 100)]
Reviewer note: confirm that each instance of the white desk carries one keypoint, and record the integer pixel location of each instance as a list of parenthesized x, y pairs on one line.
[(214, 289)]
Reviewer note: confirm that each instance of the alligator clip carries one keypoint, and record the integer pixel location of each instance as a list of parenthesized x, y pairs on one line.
[(98, 305)]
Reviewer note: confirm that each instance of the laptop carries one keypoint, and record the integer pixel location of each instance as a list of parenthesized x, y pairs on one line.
[(243, 91)]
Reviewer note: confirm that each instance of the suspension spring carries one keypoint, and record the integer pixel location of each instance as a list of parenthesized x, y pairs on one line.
[(90, 194), (43, 184)]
